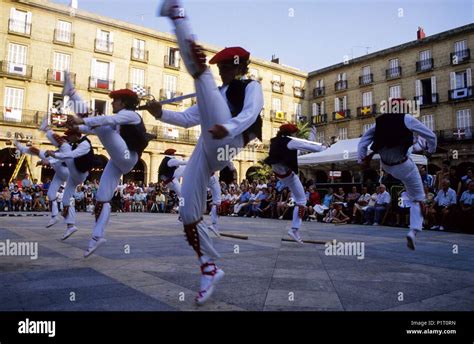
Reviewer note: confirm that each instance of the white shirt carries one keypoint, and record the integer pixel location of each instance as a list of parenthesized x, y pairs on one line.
[(122, 117), (253, 104), (412, 124), (297, 145), (82, 149)]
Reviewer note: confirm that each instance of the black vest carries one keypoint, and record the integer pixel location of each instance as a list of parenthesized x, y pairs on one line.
[(85, 162), (280, 154), (135, 136), (165, 170), (236, 95), (391, 132)]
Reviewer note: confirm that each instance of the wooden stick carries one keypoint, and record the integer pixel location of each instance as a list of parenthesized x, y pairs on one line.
[(236, 236), (316, 242)]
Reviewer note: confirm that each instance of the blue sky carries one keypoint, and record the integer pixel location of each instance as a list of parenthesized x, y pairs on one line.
[(306, 34)]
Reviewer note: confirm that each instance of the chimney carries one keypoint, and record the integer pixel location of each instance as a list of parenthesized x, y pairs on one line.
[(275, 59), (73, 4), (420, 34)]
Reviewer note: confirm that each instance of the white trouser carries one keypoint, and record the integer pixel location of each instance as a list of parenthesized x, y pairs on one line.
[(122, 161), (56, 183), (75, 178), (297, 192), (175, 186), (409, 175), (216, 198)]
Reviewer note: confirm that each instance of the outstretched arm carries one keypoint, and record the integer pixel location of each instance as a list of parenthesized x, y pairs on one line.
[(305, 146), (416, 126), (364, 143)]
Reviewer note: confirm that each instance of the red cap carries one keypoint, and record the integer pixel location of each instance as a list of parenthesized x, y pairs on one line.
[(289, 128), (229, 54), (170, 151), (123, 93)]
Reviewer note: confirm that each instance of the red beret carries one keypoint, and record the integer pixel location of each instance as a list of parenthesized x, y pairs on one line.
[(70, 132), (170, 151), (229, 54), (123, 93), (289, 128)]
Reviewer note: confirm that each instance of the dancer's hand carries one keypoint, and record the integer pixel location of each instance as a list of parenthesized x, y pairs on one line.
[(218, 132), (50, 153), (154, 108), (73, 121), (34, 150)]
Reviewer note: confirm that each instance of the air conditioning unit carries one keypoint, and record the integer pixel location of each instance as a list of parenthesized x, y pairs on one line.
[(16, 68)]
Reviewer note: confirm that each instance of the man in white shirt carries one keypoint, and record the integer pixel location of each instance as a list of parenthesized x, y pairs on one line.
[(392, 138), (444, 202), (374, 214)]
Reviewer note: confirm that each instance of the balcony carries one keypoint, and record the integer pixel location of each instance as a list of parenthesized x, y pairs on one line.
[(103, 46), (18, 27), (461, 56), (300, 118), (20, 117), (319, 92), (139, 55), (168, 94), (172, 63), (458, 94), (366, 79), (366, 111), (319, 119), (455, 135), (101, 85), (424, 65), (63, 37), (56, 77), (278, 86), (428, 100), (298, 92), (340, 85), (393, 73), (277, 116), (142, 91), (17, 71), (163, 133), (342, 115)]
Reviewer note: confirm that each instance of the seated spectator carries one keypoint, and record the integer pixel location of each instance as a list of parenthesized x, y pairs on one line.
[(243, 201), (27, 199), (429, 213), (362, 203), (79, 199), (16, 199), (426, 178), (464, 182), (5, 199), (327, 201), (402, 210), (160, 201), (313, 199), (444, 203), (352, 197), (336, 214), (340, 196), (374, 214), (127, 201), (282, 205)]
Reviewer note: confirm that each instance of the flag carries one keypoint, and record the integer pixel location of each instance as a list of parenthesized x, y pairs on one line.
[(139, 90), (58, 75), (58, 119), (340, 115), (365, 110), (101, 83)]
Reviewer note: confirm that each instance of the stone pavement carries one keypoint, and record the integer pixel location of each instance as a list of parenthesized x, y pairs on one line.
[(146, 265)]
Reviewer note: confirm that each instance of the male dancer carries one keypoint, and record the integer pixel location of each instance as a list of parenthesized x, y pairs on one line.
[(124, 137), (170, 170), (61, 174), (283, 158), (229, 118), (76, 152), (392, 139)]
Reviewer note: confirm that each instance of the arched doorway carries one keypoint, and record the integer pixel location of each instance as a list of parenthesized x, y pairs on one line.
[(250, 175), (227, 175), (47, 172), (96, 172), (8, 163), (137, 174)]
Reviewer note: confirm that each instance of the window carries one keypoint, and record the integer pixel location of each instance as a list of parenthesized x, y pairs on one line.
[(394, 69), (20, 21), (17, 58), (318, 108), (463, 119), (342, 133), (99, 107), (137, 77), (297, 84), (101, 70), (297, 110), (320, 83), (102, 74), (340, 104), (366, 70), (57, 103), (319, 136), (425, 62), (341, 76), (425, 55), (276, 104), (425, 90), (428, 121), (367, 99), (393, 63), (395, 91), (461, 79), (276, 83), (61, 63), (13, 103), (104, 41), (170, 85), (63, 31), (139, 49), (460, 51), (367, 127), (173, 58)]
